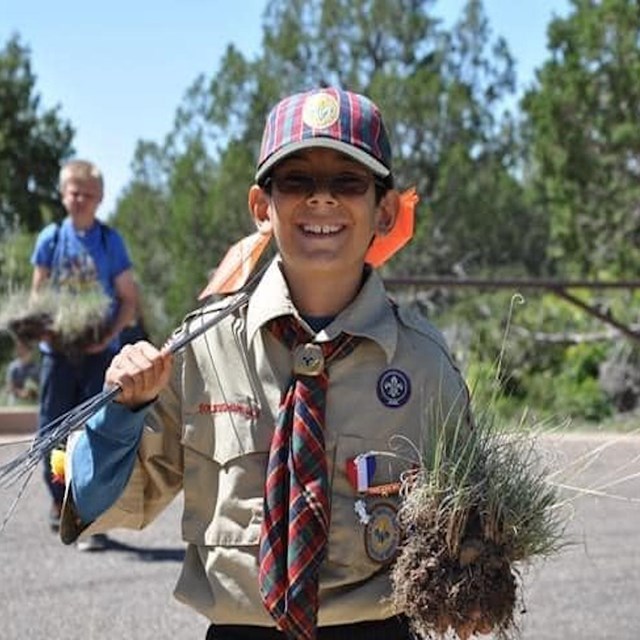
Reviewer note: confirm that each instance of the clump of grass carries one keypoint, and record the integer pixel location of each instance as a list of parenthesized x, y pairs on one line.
[(70, 320), (480, 504)]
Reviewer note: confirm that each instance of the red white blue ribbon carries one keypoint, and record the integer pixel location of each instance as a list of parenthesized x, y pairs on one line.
[(360, 471)]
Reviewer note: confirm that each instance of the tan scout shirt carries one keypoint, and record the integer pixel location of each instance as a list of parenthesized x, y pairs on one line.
[(209, 434)]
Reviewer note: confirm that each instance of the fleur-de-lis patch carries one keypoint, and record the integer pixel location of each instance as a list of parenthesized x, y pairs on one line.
[(394, 388)]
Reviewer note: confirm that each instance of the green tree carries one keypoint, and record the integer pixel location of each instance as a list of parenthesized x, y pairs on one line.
[(15, 251), (441, 92), (179, 214), (33, 143), (582, 129)]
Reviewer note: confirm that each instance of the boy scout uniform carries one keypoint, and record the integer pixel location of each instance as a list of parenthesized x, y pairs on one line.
[(210, 430)]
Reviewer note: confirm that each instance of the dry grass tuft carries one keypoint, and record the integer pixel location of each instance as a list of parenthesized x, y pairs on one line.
[(480, 504), (71, 321)]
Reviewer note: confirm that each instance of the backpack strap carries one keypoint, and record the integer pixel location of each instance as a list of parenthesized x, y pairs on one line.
[(105, 232), (55, 241)]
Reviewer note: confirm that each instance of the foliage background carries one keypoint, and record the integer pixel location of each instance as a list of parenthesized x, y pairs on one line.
[(546, 188)]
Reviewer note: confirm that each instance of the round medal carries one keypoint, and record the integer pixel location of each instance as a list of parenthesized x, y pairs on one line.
[(382, 534)]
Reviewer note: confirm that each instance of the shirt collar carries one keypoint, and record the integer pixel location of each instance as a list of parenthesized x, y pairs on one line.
[(370, 314)]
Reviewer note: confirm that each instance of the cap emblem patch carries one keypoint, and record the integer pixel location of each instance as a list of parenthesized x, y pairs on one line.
[(320, 110)]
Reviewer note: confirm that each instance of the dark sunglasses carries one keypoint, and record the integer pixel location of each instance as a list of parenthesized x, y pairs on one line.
[(342, 184)]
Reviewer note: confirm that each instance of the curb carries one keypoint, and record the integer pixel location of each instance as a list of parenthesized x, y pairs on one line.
[(18, 420)]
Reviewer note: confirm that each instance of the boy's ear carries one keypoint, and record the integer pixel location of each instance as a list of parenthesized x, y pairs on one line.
[(259, 208), (388, 209)]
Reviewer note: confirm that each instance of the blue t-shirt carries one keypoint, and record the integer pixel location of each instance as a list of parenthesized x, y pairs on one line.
[(76, 258)]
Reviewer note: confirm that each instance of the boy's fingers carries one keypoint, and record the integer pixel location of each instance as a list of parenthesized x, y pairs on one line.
[(140, 370)]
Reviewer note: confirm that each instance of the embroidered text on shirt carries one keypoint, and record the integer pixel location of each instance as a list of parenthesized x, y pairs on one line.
[(229, 407)]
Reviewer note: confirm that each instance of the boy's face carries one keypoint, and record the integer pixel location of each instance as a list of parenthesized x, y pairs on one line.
[(323, 212), (81, 199)]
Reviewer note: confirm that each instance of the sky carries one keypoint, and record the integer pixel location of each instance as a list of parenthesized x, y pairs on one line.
[(119, 69)]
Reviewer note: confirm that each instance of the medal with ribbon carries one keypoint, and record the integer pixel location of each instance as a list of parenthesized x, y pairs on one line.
[(360, 472)]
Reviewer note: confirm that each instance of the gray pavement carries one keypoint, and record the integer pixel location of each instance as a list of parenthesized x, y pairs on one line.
[(49, 591)]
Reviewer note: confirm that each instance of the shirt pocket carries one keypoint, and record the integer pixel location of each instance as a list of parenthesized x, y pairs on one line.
[(350, 537), (225, 456)]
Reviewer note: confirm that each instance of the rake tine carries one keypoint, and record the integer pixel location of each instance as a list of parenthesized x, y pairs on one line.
[(49, 427), (14, 503), (56, 432), (13, 443), (14, 472), (44, 435)]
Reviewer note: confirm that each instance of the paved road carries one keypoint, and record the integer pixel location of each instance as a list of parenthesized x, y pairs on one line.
[(49, 591)]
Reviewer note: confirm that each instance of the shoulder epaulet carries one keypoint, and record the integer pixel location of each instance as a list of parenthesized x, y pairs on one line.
[(410, 316)]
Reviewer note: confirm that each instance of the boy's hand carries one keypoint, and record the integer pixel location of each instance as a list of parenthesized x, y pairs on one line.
[(98, 347), (141, 371)]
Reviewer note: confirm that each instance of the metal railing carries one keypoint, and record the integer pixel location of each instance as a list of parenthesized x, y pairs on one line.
[(557, 287)]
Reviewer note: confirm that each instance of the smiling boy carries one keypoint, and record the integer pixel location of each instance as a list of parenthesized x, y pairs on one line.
[(280, 423)]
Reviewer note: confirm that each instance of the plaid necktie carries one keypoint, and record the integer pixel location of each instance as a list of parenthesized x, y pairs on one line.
[(296, 503)]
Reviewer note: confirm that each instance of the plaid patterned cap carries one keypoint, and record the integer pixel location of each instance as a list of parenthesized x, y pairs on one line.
[(329, 118)]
